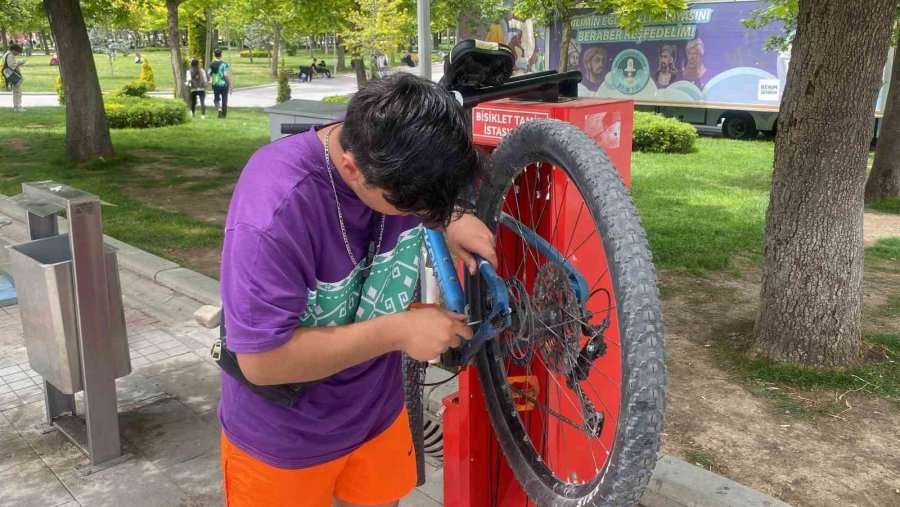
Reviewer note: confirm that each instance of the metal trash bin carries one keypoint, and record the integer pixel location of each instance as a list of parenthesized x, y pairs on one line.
[(298, 115), (43, 271)]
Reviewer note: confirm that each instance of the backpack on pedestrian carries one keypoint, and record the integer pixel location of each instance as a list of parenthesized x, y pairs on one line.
[(217, 74)]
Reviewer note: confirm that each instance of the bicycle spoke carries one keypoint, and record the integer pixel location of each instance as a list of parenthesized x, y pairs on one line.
[(520, 230), (553, 235), (574, 228), (563, 438), (552, 374), (575, 362), (548, 200), (582, 243), (575, 318)]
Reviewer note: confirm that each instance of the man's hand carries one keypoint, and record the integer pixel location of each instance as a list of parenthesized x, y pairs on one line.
[(467, 236), (427, 333)]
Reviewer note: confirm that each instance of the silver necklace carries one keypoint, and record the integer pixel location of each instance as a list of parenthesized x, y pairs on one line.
[(340, 213)]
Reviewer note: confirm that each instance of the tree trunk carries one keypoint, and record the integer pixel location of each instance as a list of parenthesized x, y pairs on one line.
[(175, 48), (360, 67), (212, 38), (87, 135), (884, 180), (341, 64), (566, 39), (811, 298), (3, 39), (276, 49), (44, 42)]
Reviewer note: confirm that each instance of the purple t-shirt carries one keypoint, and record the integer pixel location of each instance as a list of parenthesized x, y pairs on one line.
[(285, 265)]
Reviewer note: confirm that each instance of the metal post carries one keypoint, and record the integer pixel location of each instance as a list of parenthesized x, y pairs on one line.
[(424, 10), (92, 310)]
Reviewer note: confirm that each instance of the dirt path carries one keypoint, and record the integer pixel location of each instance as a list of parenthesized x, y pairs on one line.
[(850, 460), (878, 225)]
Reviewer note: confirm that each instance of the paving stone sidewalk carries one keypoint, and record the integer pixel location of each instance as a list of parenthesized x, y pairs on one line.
[(167, 414)]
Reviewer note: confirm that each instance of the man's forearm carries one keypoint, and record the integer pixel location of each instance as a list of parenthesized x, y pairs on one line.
[(317, 352)]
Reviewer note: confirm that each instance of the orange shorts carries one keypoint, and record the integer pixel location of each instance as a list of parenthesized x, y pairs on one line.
[(380, 472)]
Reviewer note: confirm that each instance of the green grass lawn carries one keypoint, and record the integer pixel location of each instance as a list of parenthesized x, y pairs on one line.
[(699, 209), (879, 374), (41, 77), (884, 255), (702, 208), (33, 148), (890, 205)]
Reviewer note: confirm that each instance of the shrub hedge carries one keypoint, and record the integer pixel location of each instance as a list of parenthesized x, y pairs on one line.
[(135, 112), (257, 53), (658, 134), (338, 98), (133, 89)]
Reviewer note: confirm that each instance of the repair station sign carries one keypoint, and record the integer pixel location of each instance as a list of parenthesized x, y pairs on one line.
[(491, 124)]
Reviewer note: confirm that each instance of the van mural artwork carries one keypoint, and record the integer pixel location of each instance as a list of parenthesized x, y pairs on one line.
[(703, 54)]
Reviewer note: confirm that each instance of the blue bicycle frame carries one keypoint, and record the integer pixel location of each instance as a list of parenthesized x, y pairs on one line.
[(500, 316)]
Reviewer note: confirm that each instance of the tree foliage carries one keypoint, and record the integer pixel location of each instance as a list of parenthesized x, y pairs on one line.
[(377, 26), (631, 13), (785, 12), (196, 38)]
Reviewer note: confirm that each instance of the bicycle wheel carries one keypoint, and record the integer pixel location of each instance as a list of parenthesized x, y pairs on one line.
[(575, 388)]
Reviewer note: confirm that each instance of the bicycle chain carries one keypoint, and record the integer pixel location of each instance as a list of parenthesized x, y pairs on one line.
[(570, 422)]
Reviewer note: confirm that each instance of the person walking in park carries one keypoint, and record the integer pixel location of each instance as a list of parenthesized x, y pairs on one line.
[(196, 81), (220, 77), (12, 75), (320, 260)]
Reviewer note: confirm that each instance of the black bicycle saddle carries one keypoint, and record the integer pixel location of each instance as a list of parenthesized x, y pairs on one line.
[(475, 64)]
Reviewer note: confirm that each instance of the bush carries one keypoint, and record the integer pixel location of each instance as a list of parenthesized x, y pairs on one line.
[(147, 75), (133, 112), (257, 53), (60, 91), (284, 88), (133, 89), (338, 98), (290, 49), (656, 133), (196, 39)]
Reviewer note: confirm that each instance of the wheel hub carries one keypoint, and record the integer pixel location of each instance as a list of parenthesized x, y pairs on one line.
[(517, 340)]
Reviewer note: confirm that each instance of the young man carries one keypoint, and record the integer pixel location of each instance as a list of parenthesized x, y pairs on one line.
[(320, 260), (220, 78), (12, 75)]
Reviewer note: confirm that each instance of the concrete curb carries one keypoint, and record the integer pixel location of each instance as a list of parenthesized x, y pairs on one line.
[(679, 483), (164, 272)]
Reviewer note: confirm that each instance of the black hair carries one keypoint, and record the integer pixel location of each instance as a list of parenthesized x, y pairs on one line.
[(410, 138), (217, 52), (15, 47)]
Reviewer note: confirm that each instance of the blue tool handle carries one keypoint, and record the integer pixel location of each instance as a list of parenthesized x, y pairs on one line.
[(445, 271)]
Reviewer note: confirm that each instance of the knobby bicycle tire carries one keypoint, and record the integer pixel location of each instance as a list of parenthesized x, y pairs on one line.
[(636, 442)]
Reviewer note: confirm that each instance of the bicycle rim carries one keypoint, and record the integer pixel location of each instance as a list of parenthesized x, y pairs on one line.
[(546, 401)]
